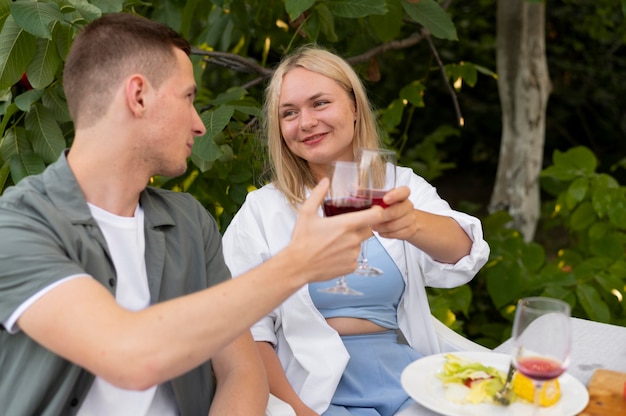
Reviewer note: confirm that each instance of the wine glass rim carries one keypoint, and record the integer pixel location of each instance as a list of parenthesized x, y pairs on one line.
[(528, 303)]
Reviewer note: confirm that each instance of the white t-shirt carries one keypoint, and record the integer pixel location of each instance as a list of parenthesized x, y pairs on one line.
[(126, 242)]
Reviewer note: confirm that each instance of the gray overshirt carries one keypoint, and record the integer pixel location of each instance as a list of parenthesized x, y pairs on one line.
[(48, 234)]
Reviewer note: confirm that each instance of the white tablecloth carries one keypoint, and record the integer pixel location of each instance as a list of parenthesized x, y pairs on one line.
[(594, 345)]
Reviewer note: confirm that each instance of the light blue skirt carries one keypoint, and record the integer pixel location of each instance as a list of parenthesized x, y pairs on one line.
[(370, 385)]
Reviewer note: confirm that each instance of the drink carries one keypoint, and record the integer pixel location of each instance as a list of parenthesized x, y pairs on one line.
[(539, 368), (377, 198), (344, 205)]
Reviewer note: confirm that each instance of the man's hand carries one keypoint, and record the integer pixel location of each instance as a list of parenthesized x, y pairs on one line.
[(330, 245)]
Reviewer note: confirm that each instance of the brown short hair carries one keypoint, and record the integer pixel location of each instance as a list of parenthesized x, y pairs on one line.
[(109, 49)]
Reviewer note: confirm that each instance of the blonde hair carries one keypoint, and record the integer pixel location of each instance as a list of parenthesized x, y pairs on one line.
[(290, 173)]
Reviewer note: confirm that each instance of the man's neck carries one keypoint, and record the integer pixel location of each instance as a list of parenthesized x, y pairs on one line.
[(108, 182)]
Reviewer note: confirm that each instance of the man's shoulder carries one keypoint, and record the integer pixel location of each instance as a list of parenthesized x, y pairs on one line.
[(161, 204), (168, 195)]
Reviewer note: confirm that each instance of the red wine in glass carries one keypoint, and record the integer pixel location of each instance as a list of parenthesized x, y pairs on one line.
[(349, 191), (540, 368), (377, 198), (541, 340), (344, 205)]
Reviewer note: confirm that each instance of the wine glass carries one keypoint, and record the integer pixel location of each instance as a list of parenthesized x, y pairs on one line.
[(382, 165), (541, 340), (350, 190)]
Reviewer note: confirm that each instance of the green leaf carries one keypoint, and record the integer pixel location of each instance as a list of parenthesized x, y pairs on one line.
[(505, 284), (610, 246), (215, 121), (429, 14), (583, 217), (44, 133), (5, 171), (392, 115), (355, 9), (388, 25), (37, 18), (54, 100), (579, 160), (576, 192), (5, 11), (464, 71), (109, 6), (323, 20), (16, 50), (232, 94), (611, 202), (63, 35), (10, 110), (25, 164), (86, 11), (414, 93), (13, 143), (295, 8), (592, 303), (189, 11), (25, 101), (42, 69)]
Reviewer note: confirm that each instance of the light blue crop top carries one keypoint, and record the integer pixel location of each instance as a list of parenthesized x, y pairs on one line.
[(381, 294)]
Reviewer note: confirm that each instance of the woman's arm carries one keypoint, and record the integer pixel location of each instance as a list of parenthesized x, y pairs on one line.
[(279, 385), (241, 382), (439, 236)]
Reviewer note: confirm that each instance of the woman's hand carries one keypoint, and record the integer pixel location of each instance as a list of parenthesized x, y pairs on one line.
[(399, 219), (439, 236)]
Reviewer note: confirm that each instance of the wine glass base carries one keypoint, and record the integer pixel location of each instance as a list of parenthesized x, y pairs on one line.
[(341, 290), (367, 271)]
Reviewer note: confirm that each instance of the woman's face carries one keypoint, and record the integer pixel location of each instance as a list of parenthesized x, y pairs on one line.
[(316, 119)]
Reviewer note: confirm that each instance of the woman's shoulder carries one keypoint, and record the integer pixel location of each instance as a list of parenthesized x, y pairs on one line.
[(266, 196), (406, 176)]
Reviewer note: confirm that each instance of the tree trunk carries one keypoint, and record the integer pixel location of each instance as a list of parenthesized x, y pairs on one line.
[(524, 87)]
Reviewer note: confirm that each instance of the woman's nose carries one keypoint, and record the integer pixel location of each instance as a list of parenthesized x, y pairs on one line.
[(307, 120)]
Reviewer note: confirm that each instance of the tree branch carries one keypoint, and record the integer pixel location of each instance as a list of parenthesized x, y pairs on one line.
[(246, 65), (442, 69)]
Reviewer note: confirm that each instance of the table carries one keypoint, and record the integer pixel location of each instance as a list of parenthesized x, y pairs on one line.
[(594, 345)]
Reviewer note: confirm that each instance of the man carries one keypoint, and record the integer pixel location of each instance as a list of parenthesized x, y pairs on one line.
[(104, 306)]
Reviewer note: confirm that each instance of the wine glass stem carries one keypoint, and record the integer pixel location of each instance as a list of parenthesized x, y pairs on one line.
[(362, 261), (537, 397)]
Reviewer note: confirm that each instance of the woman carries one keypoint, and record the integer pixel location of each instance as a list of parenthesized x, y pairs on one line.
[(334, 354)]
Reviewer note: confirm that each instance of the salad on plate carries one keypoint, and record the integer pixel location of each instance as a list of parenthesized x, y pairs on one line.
[(471, 382)]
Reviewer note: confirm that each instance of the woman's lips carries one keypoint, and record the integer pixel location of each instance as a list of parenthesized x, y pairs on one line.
[(314, 139)]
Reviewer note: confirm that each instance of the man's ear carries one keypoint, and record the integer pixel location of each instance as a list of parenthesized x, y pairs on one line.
[(136, 88)]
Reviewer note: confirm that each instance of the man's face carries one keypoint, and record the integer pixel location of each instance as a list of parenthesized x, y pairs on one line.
[(173, 121)]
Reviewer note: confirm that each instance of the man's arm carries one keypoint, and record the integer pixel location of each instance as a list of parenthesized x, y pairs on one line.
[(81, 321), (241, 382)]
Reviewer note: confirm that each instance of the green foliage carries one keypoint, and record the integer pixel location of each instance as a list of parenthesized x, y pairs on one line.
[(227, 161), (587, 269)]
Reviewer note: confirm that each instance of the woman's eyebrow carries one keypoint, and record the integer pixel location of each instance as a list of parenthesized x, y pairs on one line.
[(311, 98)]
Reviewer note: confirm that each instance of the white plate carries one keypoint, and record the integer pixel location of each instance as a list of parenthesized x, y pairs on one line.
[(420, 381)]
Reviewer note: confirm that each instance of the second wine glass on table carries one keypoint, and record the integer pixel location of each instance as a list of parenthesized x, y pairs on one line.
[(350, 190), (541, 340), (381, 165)]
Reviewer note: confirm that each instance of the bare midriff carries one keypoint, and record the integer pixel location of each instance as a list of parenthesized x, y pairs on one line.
[(354, 326)]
